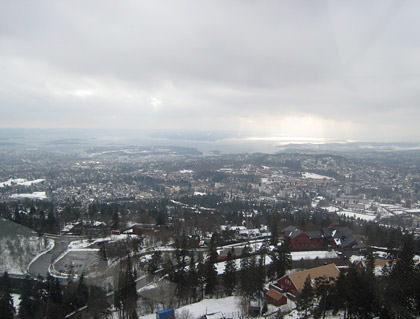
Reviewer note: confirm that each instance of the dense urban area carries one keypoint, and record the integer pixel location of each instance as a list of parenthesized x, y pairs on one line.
[(158, 232)]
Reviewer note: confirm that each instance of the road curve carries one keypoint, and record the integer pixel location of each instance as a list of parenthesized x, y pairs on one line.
[(39, 267)]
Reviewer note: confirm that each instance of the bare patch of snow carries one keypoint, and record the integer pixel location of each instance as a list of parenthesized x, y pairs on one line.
[(367, 217), (20, 182), (226, 306), (316, 176), (34, 195)]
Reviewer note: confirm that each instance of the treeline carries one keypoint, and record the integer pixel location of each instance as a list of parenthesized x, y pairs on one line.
[(41, 219), (48, 299), (196, 277), (358, 293)]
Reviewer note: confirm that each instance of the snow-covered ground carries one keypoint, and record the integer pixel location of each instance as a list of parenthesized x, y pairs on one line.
[(311, 255), (229, 306), (297, 315), (34, 195), (331, 209), (18, 246), (84, 243), (366, 217), (16, 301), (16, 253), (316, 176), (20, 182)]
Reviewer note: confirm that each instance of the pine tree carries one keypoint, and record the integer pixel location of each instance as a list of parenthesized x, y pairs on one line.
[(254, 285), (401, 289), (54, 299), (274, 232), (125, 298), (82, 293), (285, 259), (261, 276), (192, 279), (322, 290), (97, 306), (306, 297), (211, 273), (244, 276), (201, 272), (370, 263), (281, 260), (181, 284), (29, 300), (229, 277), (211, 277), (102, 252), (341, 294), (7, 310), (115, 220)]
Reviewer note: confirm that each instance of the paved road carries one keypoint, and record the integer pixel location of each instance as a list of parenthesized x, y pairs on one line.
[(40, 266)]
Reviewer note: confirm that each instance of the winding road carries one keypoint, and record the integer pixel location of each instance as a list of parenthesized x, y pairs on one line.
[(39, 267)]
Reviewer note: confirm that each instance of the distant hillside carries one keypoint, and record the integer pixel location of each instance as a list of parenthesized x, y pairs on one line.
[(18, 246)]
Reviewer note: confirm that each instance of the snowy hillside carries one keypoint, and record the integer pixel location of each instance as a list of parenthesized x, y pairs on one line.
[(18, 246)]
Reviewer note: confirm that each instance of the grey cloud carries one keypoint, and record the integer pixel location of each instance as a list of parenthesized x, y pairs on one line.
[(212, 64)]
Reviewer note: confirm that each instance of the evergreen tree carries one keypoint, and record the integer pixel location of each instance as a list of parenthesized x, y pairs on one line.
[(401, 290), (244, 276), (82, 293), (341, 294), (54, 307), (102, 252), (115, 220), (322, 291), (181, 283), (192, 279), (29, 300), (211, 277), (281, 261), (97, 303), (274, 231), (229, 277), (370, 263), (210, 272), (125, 298), (51, 222), (261, 271), (253, 276), (305, 300), (7, 310), (201, 272)]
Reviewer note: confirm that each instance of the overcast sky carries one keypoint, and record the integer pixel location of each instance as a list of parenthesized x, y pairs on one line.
[(345, 70)]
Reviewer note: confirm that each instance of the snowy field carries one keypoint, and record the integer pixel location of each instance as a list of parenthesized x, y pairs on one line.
[(78, 261), (311, 255), (34, 195), (229, 306), (85, 243), (18, 246), (20, 182), (357, 215), (316, 176)]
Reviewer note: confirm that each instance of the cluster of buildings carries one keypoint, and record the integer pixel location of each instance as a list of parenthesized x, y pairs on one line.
[(351, 187), (332, 237), (291, 285)]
